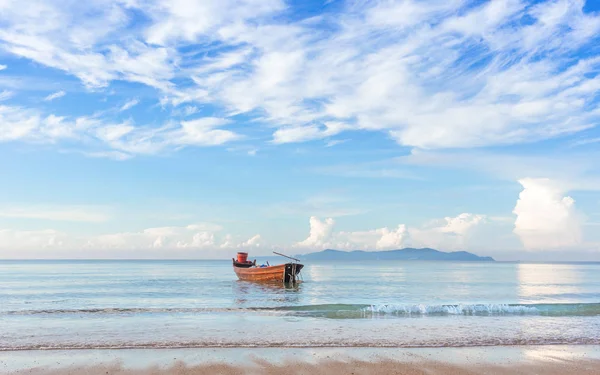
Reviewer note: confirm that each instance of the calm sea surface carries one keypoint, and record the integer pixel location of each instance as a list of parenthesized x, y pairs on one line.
[(138, 304)]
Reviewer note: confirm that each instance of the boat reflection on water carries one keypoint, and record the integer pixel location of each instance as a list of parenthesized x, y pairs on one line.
[(265, 294)]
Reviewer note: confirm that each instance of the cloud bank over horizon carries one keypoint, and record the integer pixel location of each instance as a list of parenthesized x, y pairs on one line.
[(546, 220)]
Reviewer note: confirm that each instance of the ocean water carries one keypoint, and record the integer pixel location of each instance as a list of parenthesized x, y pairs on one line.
[(178, 304)]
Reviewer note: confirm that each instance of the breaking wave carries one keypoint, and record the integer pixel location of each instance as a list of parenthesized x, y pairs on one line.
[(477, 309), (351, 311)]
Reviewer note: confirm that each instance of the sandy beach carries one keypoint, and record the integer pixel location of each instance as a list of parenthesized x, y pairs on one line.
[(314, 361), (334, 367)]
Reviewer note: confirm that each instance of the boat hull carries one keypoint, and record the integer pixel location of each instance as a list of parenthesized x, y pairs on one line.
[(282, 273)]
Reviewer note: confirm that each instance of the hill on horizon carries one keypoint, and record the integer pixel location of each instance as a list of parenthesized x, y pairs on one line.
[(400, 254)]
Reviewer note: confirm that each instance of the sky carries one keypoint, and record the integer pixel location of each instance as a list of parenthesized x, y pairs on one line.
[(196, 129)]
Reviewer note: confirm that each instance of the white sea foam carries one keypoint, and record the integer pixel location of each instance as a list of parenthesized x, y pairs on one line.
[(467, 309)]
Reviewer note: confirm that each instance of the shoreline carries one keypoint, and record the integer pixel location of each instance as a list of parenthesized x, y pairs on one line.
[(592, 343), (547, 359)]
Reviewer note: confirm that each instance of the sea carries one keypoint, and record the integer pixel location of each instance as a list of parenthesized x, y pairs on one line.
[(102, 304)]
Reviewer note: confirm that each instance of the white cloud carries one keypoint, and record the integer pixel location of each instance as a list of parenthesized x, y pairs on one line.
[(2, 67), (184, 21), (320, 233), (99, 41), (378, 239), (195, 236), (56, 95), (88, 214), (15, 241), (227, 242), (392, 239), (129, 104), (588, 141), (199, 239), (203, 132), (544, 222), (254, 241), (114, 140), (111, 133), (297, 134), (294, 134), (188, 110), (88, 40), (18, 123), (230, 242), (462, 223), (546, 218), (450, 233), (5, 95), (115, 155), (432, 74), (335, 142), (388, 85)]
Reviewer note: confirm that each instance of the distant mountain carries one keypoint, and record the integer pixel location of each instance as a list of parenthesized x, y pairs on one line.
[(402, 254)]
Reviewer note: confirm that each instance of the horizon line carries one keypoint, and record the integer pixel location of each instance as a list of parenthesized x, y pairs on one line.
[(320, 260)]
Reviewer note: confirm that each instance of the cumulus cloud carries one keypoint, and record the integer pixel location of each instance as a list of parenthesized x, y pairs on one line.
[(227, 242), (230, 242), (253, 241), (392, 239), (449, 233), (320, 233), (56, 95), (2, 67), (379, 239), (546, 218), (461, 224)]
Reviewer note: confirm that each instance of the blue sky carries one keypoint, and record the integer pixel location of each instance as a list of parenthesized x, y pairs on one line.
[(185, 129)]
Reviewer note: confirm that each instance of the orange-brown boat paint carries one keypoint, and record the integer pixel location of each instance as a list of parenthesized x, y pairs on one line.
[(271, 273)]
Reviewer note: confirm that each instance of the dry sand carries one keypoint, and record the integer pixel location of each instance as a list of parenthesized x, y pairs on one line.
[(548, 360), (582, 367)]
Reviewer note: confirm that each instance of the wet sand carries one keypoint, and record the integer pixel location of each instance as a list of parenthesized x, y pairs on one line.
[(333, 367), (310, 361)]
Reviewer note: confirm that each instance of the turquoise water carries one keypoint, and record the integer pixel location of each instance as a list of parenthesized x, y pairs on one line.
[(128, 304)]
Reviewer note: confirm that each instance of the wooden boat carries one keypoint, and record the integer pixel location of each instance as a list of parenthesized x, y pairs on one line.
[(248, 271)]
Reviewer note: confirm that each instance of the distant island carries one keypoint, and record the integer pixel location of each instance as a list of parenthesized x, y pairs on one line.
[(401, 254)]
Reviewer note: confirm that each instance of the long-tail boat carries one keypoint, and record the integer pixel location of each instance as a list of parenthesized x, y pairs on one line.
[(249, 271)]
